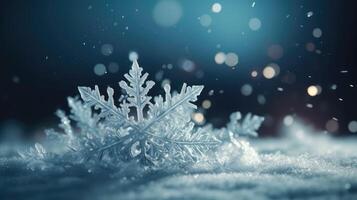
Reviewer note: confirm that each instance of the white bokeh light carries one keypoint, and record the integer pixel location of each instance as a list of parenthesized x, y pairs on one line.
[(309, 14), (216, 7), (133, 56), (187, 65), (206, 104), (220, 58), (317, 32), (255, 24), (231, 59), (198, 118), (288, 120), (270, 71), (314, 90)]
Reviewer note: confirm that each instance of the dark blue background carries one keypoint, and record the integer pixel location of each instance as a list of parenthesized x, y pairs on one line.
[(42, 45)]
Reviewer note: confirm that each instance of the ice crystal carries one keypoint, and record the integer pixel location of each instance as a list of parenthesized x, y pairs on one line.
[(152, 132)]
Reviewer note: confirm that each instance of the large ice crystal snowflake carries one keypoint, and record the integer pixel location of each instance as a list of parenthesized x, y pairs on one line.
[(153, 132)]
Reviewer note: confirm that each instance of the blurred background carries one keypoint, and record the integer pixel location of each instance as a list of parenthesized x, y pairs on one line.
[(280, 59)]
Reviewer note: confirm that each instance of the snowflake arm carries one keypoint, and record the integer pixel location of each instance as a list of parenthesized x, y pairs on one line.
[(137, 93), (163, 108), (247, 126), (107, 107)]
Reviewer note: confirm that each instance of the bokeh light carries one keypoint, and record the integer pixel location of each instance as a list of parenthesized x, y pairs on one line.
[(352, 126), (317, 32), (216, 7), (113, 67), (133, 56), (254, 73), (270, 71), (288, 120), (198, 118), (167, 13), (187, 65), (261, 99), (314, 90), (309, 14), (107, 49), (255, 24), (100, 69), (220, 58), (310, 47), (205, 20), (332, 125), (206, 104), (275, 51), (246, 90), (231, 59)]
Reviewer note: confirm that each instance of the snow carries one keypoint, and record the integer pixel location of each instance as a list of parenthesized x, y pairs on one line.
[(299, 166)]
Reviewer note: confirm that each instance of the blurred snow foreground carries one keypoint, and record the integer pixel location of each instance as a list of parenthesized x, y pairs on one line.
[(147, 149)]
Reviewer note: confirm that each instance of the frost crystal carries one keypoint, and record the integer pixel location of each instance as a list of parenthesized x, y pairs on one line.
[(153, 132)]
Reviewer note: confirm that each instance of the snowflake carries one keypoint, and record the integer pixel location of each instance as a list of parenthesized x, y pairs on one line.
[(151, 131)]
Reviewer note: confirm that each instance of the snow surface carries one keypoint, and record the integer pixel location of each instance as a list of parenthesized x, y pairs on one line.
[(302, 167)]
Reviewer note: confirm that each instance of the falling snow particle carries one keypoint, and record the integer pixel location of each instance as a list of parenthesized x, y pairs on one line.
[(211, 93), (309, 105), (309, 14), (254, 73)]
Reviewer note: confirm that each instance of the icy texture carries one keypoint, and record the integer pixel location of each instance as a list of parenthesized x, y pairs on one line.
[(153, 132), (289, 168)]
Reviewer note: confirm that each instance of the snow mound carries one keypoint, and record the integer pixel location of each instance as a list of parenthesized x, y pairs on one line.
[(285, 169)]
